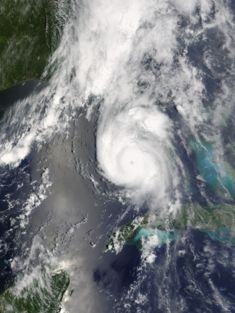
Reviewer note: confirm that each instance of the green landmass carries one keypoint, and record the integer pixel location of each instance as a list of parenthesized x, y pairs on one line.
[(42, 295), (217, 221), (29, 33), (126, 233), (209, 218)]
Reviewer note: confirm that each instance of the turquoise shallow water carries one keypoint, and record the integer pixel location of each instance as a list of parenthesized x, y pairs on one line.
[(223, 234), (162, 236), (179, 61), (215, 174)]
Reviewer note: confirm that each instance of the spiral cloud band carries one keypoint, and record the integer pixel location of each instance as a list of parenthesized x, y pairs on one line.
[(132, 151), (137, 56)]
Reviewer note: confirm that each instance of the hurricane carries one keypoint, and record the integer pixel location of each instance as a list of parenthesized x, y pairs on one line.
[(117, 168)]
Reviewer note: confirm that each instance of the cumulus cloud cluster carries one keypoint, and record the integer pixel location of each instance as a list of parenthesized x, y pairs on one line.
[(132, 151), (134, 55)]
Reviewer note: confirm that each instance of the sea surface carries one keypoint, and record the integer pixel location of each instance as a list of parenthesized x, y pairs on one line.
[(135, 127)]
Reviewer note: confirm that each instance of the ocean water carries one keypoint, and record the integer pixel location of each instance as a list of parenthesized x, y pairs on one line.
[(131, 140)]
